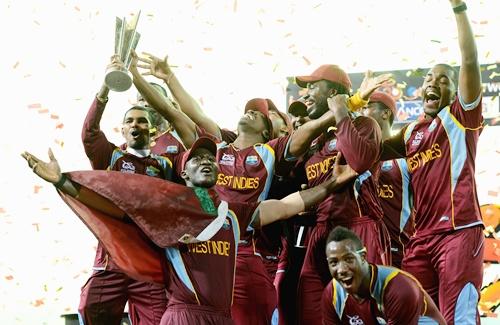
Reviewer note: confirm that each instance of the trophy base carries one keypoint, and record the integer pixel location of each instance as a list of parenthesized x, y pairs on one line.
[(118, 80)]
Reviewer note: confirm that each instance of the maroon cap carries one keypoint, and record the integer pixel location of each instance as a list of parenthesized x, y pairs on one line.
[(330, 72), (384, 98), (201, 142), (261, 105), (298, 108), (284, 116)]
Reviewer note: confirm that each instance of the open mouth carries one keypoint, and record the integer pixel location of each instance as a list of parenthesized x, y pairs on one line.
[(346, 282), (206, 170), (135, 134), (432, 97)]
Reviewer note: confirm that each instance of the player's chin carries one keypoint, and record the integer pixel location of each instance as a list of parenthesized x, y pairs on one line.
[(206, 181)]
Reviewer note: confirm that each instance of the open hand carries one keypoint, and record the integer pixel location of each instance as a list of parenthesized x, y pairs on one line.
[(370, 83), (155, 66), (49, 171)]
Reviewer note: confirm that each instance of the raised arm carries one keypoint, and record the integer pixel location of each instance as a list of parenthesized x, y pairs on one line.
[(160, 69), (180, 121), (274, 210), (97, 147), (469, 79), (359, 140), (301, 139), (51, 172)]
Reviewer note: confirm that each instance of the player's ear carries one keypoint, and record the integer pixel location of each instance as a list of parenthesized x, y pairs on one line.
[(266, 135), (184, 175)]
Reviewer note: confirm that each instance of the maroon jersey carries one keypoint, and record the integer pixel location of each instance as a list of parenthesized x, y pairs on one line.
[(203, 273), (440, 154), (246, 175), (359, 141), (167, 143), (396, 298), (396, 200), (104, 155)]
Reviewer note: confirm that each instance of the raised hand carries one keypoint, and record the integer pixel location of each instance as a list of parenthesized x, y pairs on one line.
[(155, 66), (370, 83), (49, 171)]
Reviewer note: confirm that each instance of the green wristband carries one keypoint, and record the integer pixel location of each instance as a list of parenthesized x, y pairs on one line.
[(61, 181), (460, 8)]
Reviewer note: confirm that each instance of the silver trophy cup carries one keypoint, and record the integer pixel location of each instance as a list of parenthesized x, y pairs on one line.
[(126, 40)]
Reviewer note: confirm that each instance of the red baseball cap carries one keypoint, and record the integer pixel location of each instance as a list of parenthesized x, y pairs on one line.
[(261, 105), (330, 72), (384, 98), (284, 116), (201, 142)]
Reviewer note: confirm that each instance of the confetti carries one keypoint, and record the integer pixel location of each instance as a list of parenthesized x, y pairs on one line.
[(38, 302), (43, 111), (188, 66), (280, 20), (268, 53), (317, 6), (493, 193), (37, 228), (2, 210), (15, 65), (62, 64), (435, 41), (36, 189), (60, 126), (9, 277), (235, 5), (54, 116), (306, 60), (288, 35), (116, 130), (491, 66), (36, 22), (36, 105), (443, 49), (207, 49), (494, 74), (77, 8)]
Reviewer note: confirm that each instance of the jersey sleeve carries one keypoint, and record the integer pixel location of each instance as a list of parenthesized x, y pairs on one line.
[(403, 300), (359, 140), (328, 312), (97, 147), (246, 212), (281, 151), (469, 115)]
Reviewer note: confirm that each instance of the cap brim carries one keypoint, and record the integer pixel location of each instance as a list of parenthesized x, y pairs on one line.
[(297, 108), (202, 142), (302, 81)]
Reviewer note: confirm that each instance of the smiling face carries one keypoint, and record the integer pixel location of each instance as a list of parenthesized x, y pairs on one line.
[(135, 129), (347, 264), (200, 170), (317, 98), (438, 89)]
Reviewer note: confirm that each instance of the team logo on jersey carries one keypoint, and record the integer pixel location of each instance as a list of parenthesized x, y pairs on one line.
[(381, 321), (172, 149), (252, 160), (387, 165), (418, 138), (332, 145), (432, 126), (127, 167), (355, 320), (227, 160), (226, 225), (152, 171)]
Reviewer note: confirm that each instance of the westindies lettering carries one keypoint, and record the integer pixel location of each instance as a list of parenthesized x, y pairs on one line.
[(238, 182), (218, 247), (320, 168), (422, 157), (385, 191)]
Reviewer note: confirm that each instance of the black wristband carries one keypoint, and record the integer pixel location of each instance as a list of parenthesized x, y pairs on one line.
[(461, 7), (61, 181)]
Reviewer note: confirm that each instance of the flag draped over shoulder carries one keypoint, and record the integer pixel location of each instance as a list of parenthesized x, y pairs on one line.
[(161, 213)]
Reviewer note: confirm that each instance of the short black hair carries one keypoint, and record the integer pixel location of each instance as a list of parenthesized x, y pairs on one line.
[(340, 233), (138, 108), (341, 89)]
